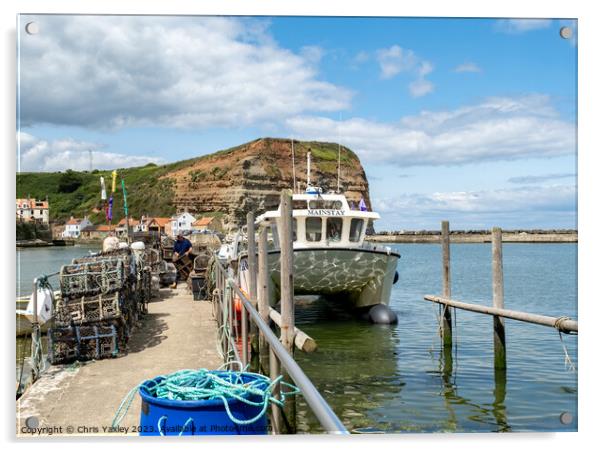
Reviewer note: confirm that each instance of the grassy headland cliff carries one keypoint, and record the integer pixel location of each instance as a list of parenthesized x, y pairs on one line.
[(228, 183)]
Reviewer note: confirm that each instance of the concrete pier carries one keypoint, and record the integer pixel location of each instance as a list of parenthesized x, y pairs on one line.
[(177, 333)]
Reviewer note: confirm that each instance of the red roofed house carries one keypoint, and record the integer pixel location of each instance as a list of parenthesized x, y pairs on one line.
[(159, 225), (120, 228), (207, 223), (32, 210), (74, 227), (154, 225)]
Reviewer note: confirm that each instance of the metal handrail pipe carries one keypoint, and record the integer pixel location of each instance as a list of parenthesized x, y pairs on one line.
[(327, 418)]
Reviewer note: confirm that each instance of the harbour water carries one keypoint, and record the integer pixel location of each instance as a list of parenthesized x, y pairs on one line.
[(36, 261), (396, 379)]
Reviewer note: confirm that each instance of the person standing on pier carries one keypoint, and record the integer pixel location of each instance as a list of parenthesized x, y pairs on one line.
[(181, 249)]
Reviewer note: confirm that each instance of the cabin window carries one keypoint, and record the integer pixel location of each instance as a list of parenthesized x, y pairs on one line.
[(294, 225), (355, 231), (334, 228), (313, 229), (299, 204), (325, 204)]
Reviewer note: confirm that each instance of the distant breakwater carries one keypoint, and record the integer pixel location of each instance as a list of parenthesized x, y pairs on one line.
[(480, 236)]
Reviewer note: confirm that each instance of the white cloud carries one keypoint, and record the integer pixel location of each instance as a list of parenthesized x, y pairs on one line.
[(467, 67), (518, 26), (498, 128), (532, 206), (530, 179), (312, 53), (360, 58), (421, 87), (115, 71), (396, 60), (38, 155)]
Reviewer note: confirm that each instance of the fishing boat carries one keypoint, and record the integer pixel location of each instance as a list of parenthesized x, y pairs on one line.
[(331, 256)]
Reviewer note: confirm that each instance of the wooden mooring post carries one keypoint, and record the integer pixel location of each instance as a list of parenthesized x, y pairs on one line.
[(263, 299), (445, 252), (563, 324), (276, 354), (497, 269), (287, 308), (252, 260)]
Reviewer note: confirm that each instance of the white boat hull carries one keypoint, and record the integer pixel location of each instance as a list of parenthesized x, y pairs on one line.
[(363, 277)]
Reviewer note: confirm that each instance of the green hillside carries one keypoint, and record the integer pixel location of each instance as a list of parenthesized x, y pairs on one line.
[(73, 193), (77, 193)]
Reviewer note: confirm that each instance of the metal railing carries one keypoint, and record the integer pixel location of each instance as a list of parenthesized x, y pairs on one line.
[(323, 412), (36, 358)]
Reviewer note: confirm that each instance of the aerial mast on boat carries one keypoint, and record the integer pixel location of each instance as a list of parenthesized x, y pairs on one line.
[(308, 167), (339, 157), (294, 177)]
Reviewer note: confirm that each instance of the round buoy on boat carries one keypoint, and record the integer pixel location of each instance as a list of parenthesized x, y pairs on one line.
[(381, 314), (395, 277)]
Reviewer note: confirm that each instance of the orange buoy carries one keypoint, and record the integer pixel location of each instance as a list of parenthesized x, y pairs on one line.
[(238, 305)]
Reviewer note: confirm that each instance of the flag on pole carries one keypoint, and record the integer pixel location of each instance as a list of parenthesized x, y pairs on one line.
[(109, 211), (114, 174), (103, 190), (125, 197), (363, 206)]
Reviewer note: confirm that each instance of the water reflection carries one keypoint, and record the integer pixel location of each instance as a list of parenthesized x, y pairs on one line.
[(360, 371), (356, 362), (451, 398)]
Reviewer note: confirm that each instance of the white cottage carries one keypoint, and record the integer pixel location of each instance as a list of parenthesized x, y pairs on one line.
[(74, 227), (182, 223)]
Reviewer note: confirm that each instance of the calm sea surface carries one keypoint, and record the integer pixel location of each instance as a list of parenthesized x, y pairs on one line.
[(33, 262), (395, 378)]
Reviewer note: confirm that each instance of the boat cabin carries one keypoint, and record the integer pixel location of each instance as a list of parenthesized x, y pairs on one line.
[(321, 220)]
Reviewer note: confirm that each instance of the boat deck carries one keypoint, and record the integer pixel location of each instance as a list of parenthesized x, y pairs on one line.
[(177, 333)]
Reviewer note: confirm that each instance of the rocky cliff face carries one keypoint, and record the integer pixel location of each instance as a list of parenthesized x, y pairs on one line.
[(250, 177)]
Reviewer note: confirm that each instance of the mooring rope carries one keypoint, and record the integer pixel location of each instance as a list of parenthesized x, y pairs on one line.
[(202, 384), (568, 363)]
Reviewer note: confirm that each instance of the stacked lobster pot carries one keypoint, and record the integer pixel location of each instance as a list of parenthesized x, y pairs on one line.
[(102, 297)]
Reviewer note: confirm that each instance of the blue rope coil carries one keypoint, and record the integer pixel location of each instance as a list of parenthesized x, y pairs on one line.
[(202, 384)]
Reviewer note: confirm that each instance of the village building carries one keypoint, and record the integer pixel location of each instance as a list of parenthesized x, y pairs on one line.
[(159, 225), (182, 223), (121, 230), (207, 223), (74, 227), (153, 225), (141, 226), (96, 232), (33, 210)]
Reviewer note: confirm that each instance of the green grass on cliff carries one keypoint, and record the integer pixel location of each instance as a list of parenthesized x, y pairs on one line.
[(146, 192), (77, 193)]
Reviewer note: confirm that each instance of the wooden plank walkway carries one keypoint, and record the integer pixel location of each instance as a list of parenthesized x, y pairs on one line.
[(177, 333)]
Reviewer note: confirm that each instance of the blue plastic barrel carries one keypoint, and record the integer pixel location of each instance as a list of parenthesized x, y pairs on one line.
[(205, 417)]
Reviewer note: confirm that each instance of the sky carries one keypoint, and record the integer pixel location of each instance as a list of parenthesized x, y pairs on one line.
[(468, 120)]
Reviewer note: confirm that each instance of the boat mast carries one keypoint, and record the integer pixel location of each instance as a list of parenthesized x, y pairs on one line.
[(339, 171), (294, 178), (308, 167), (339, 157)]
